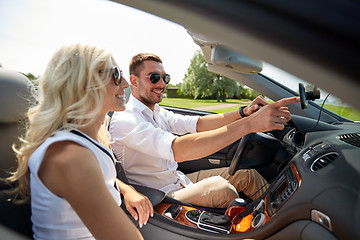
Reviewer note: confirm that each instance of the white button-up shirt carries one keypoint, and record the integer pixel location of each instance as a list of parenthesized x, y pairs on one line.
[(142, 142)]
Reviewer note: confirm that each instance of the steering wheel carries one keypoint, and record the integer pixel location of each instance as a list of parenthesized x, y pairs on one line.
[(255, 150), (236, 158)]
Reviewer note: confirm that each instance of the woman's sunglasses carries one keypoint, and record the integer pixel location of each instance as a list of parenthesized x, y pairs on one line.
[(155, 77), (117, 74)]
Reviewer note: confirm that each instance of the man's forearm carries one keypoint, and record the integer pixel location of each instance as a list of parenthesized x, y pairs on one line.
[(214, 121), (198, 145), (210, 122)]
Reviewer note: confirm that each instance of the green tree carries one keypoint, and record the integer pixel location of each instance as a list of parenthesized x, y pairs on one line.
[(248, 93), (32, 78), (224, 87), (200, 83)]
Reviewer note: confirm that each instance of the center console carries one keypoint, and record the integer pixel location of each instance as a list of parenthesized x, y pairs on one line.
[(282, 189), (250, 217)]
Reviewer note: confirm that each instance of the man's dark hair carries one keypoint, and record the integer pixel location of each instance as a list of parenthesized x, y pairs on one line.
[(138, 59)]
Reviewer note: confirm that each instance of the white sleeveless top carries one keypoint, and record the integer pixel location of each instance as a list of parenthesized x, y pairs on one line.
[(52, 216)]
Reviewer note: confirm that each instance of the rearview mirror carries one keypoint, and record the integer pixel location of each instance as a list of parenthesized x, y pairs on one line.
[(221, 56)]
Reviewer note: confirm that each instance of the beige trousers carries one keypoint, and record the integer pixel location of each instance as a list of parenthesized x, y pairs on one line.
[(216, 188)]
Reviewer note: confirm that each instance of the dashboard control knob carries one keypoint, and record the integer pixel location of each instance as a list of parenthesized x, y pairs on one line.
[(274, 205), (258, 220)]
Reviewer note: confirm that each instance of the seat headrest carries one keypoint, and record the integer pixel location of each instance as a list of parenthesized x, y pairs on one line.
[(16, 95)]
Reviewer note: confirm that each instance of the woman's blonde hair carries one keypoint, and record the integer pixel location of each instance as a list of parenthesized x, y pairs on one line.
[(71, 96)]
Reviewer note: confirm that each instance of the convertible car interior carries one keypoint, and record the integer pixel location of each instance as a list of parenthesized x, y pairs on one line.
[(312, 166), (308, 192)]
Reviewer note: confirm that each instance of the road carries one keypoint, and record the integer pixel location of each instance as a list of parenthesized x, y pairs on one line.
[(219, 106)]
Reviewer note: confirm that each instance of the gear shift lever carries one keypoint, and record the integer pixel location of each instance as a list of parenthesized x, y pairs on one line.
[(235, 207)]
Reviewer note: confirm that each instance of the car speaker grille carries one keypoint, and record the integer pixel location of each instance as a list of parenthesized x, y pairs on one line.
[(352, 138), (323, 161)]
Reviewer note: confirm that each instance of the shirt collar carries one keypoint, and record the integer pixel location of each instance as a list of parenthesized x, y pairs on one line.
[(136, 103)]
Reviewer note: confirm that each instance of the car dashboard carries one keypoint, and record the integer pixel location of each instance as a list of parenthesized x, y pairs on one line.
[(322, 180), (314, 195)]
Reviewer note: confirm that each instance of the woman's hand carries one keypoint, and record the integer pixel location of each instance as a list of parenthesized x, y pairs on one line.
[(138, 205)]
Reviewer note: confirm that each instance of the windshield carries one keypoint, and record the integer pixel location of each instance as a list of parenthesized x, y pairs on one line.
[(328, 101)]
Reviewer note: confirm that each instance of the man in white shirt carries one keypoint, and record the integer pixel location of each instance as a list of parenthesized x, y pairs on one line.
[(149, 140)]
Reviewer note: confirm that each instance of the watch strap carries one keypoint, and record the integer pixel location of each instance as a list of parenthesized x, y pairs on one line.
[(241, 111)]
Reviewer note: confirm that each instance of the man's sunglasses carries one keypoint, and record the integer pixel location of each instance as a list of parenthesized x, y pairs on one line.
[(155, 77), (117, 74)]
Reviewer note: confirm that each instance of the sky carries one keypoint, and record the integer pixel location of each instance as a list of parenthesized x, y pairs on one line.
[(32, 30)]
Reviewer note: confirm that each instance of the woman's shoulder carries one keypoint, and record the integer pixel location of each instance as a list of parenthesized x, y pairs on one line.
[(63, 143), (67, 152), (63, 164)]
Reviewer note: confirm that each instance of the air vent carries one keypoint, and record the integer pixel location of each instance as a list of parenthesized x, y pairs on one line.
[(351, 138), (323, 161)]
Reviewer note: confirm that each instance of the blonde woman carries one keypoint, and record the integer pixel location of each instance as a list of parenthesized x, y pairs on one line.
[(68, 175)]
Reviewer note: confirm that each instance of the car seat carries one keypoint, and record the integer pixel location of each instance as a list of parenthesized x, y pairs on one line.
[(15, 97)]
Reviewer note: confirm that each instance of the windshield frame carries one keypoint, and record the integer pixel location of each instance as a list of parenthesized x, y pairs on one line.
[(280, 76)]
